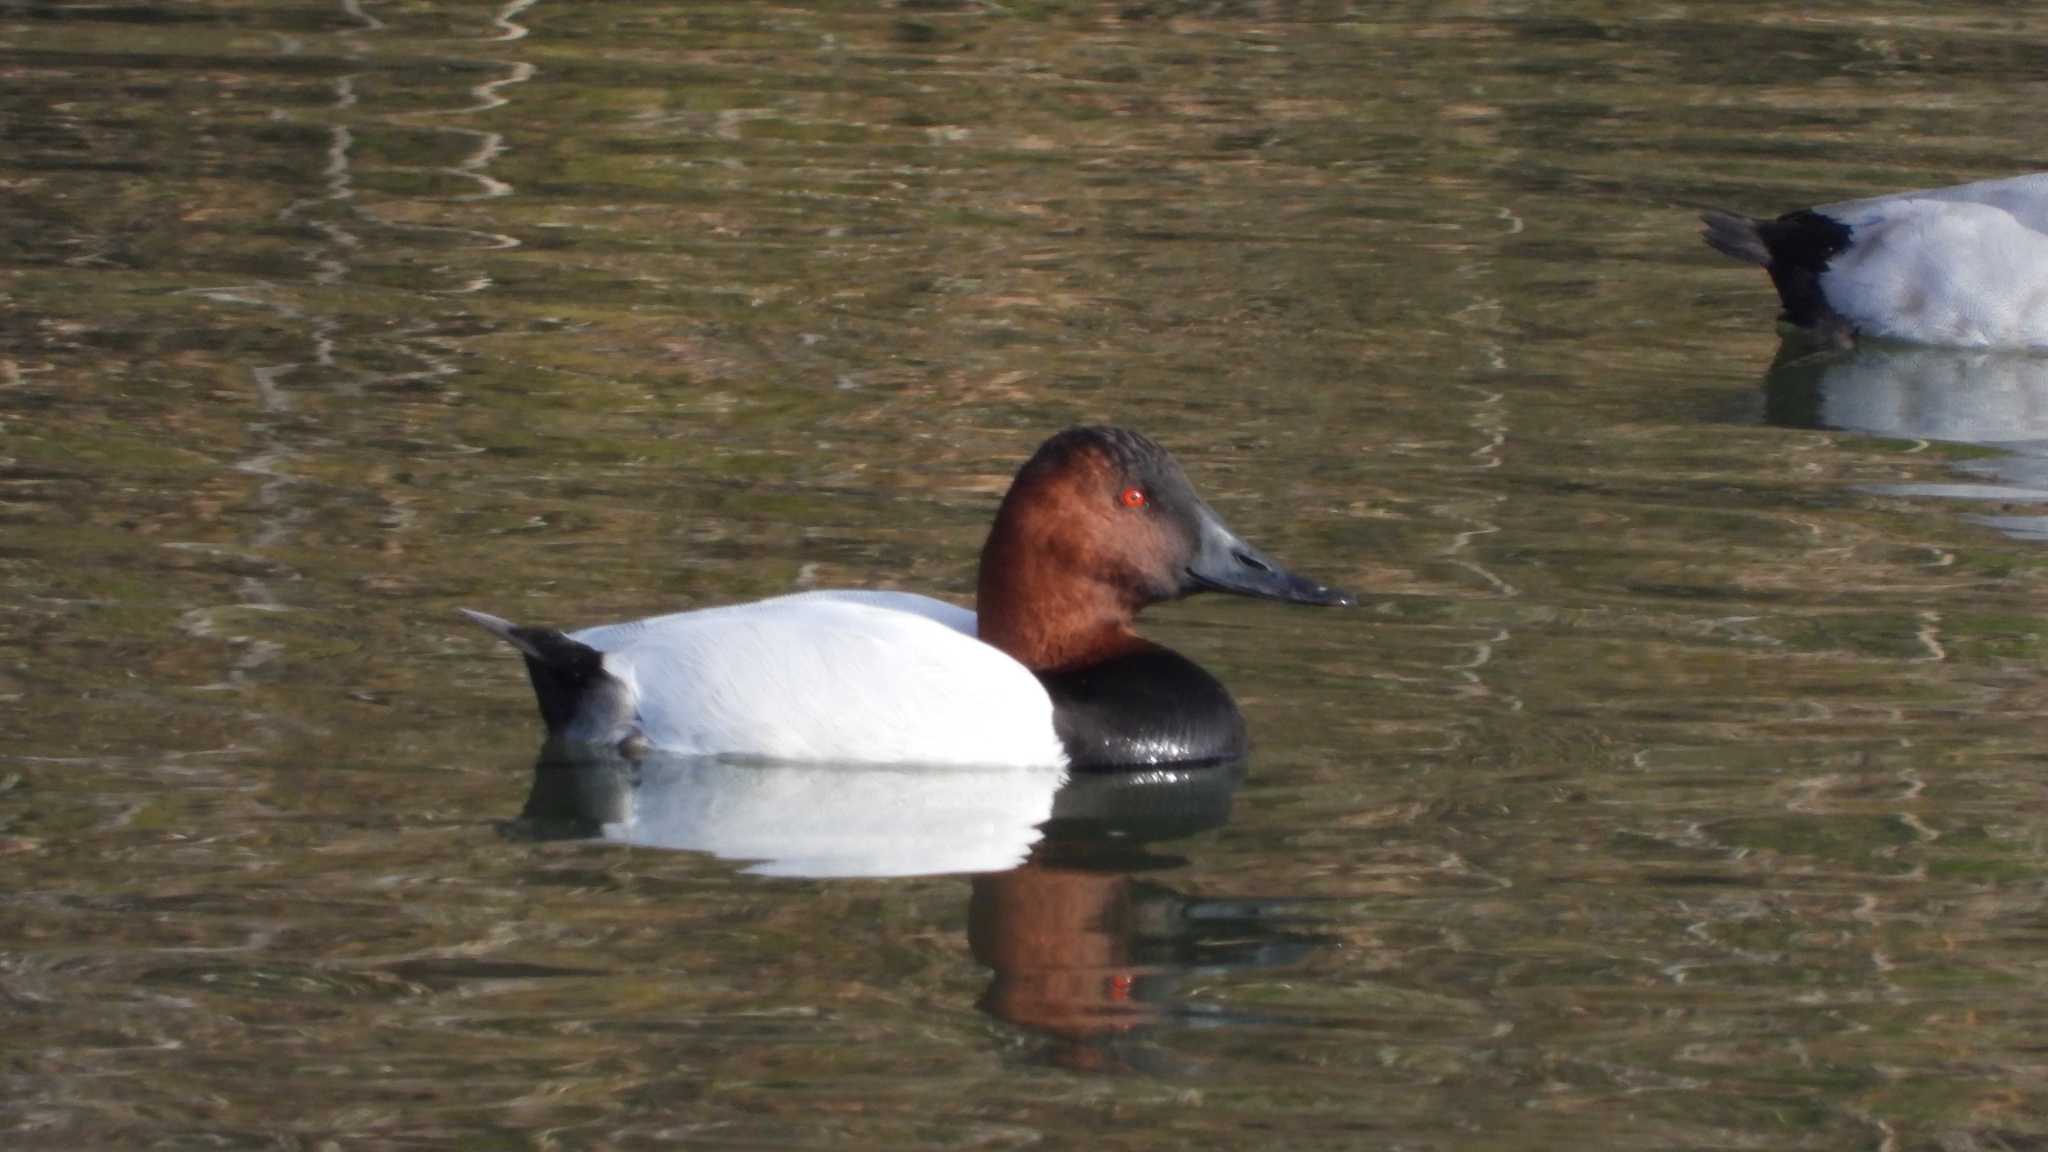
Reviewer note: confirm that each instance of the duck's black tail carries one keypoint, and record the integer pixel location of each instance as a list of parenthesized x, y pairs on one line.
[(566, 673), (1795, 249), (1738, 236)]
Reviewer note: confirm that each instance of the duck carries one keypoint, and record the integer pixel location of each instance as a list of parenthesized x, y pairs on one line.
[(1961, 267), (1046, 671)]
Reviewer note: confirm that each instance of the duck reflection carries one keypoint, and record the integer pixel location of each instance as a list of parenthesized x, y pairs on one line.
[(1087, 954), (1976, 397), (1087, 946), (810, 820), (1994, 399)]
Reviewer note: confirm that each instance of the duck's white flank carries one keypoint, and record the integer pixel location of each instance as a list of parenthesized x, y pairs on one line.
[(870, 677), (1964, 267)]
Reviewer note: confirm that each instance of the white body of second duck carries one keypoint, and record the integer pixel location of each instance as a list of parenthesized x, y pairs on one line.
[(1051, 673), (1963, 267)]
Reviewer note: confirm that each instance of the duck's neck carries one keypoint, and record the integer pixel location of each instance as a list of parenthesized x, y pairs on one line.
[(1035, 601), (1045, 647)]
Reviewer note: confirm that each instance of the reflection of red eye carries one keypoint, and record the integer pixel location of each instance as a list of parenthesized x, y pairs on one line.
[(1133, 498)]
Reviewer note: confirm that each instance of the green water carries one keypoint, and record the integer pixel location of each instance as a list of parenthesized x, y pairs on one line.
[(1677, 784)]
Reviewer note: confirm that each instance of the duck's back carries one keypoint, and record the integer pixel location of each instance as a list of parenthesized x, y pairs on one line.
[(871, 677), (2024, 198)]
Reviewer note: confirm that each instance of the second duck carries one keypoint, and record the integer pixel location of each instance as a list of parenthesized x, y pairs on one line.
[(1962, 267)]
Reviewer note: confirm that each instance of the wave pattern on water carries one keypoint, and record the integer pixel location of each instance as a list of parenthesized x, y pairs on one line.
[(1675, 786)]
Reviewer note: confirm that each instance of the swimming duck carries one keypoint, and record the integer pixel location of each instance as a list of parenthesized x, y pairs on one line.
[(1963, 267), (1098, 524)]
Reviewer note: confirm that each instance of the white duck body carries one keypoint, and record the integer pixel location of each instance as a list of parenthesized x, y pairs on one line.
[(849, 676), (1962, 267)]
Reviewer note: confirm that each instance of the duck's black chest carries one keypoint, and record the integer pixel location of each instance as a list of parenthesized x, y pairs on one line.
[(1148, 706)]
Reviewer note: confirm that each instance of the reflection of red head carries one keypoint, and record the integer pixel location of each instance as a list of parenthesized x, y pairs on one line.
[(1060, 943)]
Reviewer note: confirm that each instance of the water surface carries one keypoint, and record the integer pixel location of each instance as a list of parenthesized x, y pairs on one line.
[(1677, 784)]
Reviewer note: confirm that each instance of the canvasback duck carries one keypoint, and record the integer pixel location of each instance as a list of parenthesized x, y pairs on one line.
[(1098, 524), (1963, 267)]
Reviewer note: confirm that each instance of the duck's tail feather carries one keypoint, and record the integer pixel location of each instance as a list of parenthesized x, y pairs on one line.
[(505, 630), (1738, 236), (1795, 249), (567, 674)]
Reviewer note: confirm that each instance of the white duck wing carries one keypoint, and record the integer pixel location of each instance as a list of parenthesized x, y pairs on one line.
[(859, 677), (2024, 198), (605, 637)]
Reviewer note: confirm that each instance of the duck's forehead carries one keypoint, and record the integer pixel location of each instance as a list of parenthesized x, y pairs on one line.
[(1092, 462), (1080, 462), (1131, 451), (1118, 453)]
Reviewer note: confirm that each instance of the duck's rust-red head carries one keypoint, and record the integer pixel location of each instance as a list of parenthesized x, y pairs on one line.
[(1099, 523)]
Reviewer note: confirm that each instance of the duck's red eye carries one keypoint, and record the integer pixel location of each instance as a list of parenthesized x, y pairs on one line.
[(1133, 498)]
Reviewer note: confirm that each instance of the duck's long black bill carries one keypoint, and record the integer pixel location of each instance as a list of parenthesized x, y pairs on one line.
[(1225, 563)]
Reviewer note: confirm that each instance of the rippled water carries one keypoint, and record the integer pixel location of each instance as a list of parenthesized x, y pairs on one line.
[(1678, 784)]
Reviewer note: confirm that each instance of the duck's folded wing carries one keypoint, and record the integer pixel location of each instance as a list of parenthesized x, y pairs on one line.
[(951, 615), (2024, 198), (827, 677)]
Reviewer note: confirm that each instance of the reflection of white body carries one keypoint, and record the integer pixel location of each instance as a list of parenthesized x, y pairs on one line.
[(1997, 399), (1964, 266), (827, 819), (1938, 394)]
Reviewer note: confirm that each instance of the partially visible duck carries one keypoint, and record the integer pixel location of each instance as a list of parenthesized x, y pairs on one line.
[(1964, 267), (1098, 524)]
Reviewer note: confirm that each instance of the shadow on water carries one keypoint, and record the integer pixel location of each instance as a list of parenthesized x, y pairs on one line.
[(1987, 399), (1086, 945)]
